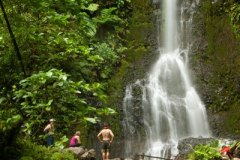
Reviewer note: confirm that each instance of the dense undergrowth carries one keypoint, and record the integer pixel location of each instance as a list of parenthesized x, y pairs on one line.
[(28, 150)]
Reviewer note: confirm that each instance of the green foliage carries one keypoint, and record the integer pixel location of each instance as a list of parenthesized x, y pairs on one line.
[(231, 119), (234, 14), (51, 94), (70, 50), (107, 16), (60, 144), (58, 40), (31, 151), (209, 151), (62, 156), (67, 28)]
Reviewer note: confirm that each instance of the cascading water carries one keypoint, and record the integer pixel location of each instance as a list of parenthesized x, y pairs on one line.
[(170, 106)]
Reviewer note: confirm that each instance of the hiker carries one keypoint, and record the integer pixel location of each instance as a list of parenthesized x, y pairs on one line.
[(105, 136), (225, 152), (75, 140), (49, 129)]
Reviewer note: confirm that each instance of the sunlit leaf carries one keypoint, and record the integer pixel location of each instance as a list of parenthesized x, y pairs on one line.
[(92, 120), (2, 99), (92, 7)]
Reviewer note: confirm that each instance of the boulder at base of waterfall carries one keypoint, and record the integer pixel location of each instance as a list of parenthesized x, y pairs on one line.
[(88, 155), (78, 151), (121, 159), (185, 146), (83, 154)]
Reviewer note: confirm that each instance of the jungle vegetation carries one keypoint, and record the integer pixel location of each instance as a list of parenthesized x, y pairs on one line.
[(56, 58)]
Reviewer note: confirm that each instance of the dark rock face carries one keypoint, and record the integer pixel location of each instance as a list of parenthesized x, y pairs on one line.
[(215, 84), (186, 146)]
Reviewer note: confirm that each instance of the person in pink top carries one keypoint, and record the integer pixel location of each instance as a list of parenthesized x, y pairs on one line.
[(75, 140)]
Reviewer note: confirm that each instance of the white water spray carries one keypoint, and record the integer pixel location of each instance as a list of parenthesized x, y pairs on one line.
[(171, 107), (170, 37)]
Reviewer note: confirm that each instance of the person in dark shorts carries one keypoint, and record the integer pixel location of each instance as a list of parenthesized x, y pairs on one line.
[(105, 146), (105, 136)]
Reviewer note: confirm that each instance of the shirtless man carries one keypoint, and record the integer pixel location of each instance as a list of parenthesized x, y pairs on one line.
[(105, 136)]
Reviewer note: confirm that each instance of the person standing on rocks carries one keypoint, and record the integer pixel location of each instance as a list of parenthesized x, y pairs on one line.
[(49, 129), (105, 136)]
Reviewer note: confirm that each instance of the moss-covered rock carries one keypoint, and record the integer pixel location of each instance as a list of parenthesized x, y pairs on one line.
[(215, 63)]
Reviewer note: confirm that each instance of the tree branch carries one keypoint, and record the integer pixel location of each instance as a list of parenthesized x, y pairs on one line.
[(13, 38)]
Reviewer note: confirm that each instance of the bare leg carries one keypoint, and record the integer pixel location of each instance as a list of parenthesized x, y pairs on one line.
[(104, 155), (107, 155)]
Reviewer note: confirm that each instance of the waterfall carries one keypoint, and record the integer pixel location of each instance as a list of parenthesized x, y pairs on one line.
[(170, 108)]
